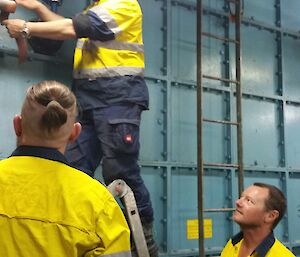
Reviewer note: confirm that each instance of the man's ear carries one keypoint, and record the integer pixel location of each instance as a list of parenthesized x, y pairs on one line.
[(17, 121), (75, 132), (272, 216)]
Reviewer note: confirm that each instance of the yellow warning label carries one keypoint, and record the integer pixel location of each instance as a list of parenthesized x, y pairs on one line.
[(192, 229)]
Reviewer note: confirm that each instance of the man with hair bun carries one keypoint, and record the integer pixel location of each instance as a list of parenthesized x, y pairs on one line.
[(109, 84), (48, 208)]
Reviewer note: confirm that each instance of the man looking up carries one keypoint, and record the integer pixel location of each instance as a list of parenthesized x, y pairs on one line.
[(258, 211)]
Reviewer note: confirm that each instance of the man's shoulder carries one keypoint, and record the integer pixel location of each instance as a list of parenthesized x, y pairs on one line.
[(279, 249), (229, 249)]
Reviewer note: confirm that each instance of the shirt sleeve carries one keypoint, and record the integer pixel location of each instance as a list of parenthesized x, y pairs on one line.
[(113, 231), (90, 25)]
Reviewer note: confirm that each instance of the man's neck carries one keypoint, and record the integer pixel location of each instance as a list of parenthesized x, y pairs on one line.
[(46, 143), (253, 237)]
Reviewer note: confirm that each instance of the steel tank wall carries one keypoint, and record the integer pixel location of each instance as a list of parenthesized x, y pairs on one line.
[(271, 111)]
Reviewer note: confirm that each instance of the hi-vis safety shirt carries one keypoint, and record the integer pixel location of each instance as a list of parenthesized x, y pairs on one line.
[(270, 247), (50, 209), (121, 52)]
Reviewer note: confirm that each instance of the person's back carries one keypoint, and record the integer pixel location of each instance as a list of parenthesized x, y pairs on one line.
[(48, 208)]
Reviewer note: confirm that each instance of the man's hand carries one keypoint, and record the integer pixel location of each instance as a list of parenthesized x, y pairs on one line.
[(14, 27)]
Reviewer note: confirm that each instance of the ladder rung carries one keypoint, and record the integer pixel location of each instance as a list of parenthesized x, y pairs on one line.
[(220, 79), (219, 210), (220, 38), (227, 165), (221, 122)]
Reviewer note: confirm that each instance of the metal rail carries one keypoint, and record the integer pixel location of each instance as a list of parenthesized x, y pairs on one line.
[(220, 38), (238, 60), (221, 79), (118, 188), (225, 122)]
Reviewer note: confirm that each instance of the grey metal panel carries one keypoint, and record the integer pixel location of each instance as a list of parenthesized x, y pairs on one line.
[(292, 123), (184, 207), (217, 194), (183, 48), (259, 62), (214, 134), (260, 10), (289, 13), (291, 67), (213, 50), (261, 134), (153, 124), (294, 207), (153, 36), (183, 124), (154, 181), (215, 4), (183, 100)]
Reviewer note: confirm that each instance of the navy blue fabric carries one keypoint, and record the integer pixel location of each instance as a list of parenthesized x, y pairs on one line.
[(104, 92), (91, 26), (42, 152), (110, 113), (263, 247), (111, 135)]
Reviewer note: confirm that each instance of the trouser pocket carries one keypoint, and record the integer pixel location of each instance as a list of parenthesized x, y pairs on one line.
[(125, 135)]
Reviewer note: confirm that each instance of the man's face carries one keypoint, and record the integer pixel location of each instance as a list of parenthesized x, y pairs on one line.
[(250, 207)]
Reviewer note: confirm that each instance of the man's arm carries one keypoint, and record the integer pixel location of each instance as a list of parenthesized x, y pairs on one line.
[(40, 9), (113, 231), (58, 29)]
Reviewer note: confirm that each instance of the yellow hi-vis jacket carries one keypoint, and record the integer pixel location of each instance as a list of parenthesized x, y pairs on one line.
[(48, 209), (119, 57)]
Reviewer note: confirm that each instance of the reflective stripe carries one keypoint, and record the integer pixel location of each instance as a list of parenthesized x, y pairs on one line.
[(112, 44), (107, 72), (104, 15), (122, 254)]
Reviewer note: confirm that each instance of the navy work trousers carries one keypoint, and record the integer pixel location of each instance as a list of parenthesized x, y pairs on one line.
[(110, 135)]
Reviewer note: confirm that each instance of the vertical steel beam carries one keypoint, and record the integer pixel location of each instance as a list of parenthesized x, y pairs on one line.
[(279, 72), (282, 110), (199, 129), (166, 72)]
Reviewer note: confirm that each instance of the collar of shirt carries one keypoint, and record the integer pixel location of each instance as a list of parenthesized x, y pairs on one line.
[(42, 152), (262, 248)]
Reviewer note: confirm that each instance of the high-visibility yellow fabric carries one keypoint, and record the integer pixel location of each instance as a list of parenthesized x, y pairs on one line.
[(49, 209), (276, 250), (124, 18)]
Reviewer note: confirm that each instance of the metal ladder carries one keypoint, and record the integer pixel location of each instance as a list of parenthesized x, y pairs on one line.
[(118, 188), (201, 119)]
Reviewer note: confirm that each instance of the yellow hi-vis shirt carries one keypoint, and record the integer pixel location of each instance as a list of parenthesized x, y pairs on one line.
[(121, 56), (49, 209), (270, 247)]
